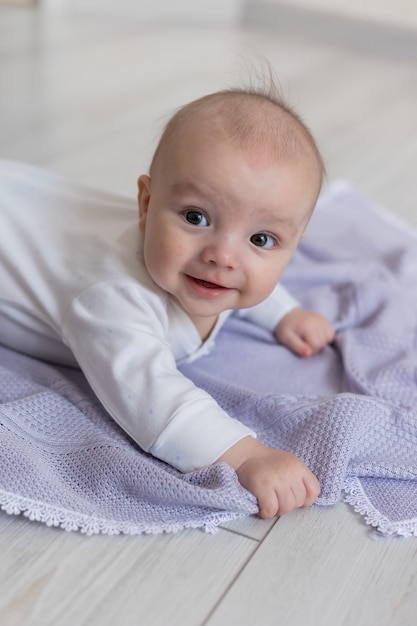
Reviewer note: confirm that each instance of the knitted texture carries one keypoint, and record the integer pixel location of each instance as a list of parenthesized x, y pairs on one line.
[(349, 412)]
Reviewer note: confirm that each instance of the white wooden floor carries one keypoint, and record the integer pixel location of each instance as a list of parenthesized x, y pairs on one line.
[(86, 98)]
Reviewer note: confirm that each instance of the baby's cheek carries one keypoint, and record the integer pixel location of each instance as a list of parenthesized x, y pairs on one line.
[(258, 294)]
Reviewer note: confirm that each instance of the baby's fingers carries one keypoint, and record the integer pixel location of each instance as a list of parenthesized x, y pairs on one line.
[(268, 504), (312, 487), (288, 497), (298, 344), (291, 497), (324, 335)]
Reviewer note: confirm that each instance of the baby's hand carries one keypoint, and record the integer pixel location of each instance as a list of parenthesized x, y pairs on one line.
[(304, 332), (279, 480)]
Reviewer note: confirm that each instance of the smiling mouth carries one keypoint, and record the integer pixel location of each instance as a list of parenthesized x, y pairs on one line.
[(205, 283), (206, 288)]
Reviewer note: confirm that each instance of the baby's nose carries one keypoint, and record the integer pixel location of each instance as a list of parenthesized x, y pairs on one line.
[(223, 253)]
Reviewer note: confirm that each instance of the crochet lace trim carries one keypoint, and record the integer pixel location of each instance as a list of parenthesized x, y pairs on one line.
[(56, 516), (355, 495)]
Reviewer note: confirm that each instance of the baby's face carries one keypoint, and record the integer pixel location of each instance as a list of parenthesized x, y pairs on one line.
[(221, 223)]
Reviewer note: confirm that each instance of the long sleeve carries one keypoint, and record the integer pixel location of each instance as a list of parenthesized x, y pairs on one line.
[(130, 365)]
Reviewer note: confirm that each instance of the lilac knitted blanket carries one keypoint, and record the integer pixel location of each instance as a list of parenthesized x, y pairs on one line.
[(350, 412)]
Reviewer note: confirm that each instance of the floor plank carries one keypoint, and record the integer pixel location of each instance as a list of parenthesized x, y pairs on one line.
[(324, 567), (251, 526), (49, 576)]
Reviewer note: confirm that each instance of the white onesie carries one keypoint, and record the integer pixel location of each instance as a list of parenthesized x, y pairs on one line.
[(74, 290)]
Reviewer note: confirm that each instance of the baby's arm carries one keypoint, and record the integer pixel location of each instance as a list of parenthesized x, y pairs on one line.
[(279, 480), (117, 332), (304, 332)]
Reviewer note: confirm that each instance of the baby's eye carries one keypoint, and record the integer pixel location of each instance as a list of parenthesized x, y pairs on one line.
[(262, 240), (196, 218)]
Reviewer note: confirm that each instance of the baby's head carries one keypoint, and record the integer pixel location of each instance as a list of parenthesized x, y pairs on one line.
[(232, 185), (250, 119)]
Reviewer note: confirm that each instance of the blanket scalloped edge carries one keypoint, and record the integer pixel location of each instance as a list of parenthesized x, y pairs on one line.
[(356, 497), (54, 516)]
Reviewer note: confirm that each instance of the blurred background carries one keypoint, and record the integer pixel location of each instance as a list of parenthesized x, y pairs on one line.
[(86, 85)]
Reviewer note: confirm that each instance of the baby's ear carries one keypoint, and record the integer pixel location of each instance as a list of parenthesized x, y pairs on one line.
[(144, 196)]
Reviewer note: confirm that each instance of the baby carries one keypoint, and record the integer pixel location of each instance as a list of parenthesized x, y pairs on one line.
[(231, 188)]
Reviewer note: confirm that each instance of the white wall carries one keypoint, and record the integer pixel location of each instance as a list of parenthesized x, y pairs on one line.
[(208, 11), (394, 12)]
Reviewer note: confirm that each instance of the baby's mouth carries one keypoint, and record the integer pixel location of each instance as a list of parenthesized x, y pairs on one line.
[(207, 284), (205, 288)]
